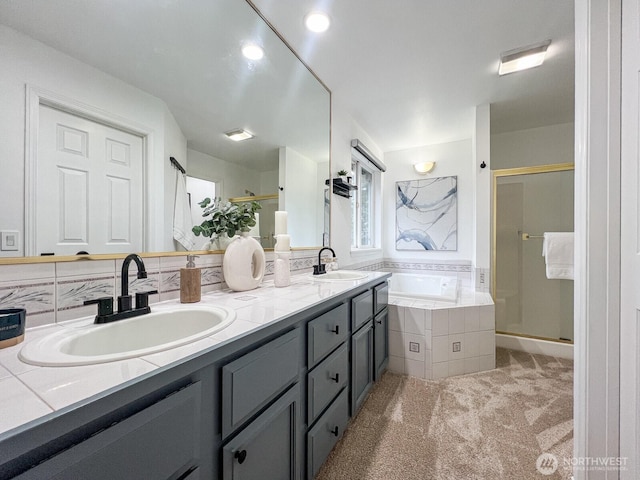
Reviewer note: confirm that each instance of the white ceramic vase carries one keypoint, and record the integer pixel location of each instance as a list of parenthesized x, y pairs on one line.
[(243, 263)]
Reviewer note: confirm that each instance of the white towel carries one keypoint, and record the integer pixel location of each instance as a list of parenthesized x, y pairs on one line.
[(557, 249), (182, 223)]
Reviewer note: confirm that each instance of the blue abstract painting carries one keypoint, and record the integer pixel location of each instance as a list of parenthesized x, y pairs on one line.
[(427, 214)]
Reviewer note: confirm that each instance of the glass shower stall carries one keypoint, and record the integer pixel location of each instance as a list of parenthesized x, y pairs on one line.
[(527, 202)]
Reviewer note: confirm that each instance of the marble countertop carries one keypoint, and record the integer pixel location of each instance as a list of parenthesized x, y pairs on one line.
[(29, 392)]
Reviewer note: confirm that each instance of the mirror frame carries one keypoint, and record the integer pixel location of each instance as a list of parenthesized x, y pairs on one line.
[(80, 258)]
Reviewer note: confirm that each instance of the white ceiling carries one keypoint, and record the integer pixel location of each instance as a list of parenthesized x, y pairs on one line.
[(410, 72)]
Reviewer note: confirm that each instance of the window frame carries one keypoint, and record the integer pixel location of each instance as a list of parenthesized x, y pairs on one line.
[(358, 162)]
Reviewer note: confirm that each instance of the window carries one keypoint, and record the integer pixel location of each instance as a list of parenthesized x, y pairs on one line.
[(364, 207)]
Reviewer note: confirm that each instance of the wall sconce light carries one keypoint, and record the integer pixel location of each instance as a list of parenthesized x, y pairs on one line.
[(424, 167)]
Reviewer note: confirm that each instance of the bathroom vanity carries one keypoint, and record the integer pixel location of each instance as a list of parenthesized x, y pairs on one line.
[(269, 403)]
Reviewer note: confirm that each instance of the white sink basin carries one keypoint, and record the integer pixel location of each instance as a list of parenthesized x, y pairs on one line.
[(341, 275), (156, 331)]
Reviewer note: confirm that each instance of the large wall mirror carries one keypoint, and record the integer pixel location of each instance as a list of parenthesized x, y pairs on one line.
[(97, 96)]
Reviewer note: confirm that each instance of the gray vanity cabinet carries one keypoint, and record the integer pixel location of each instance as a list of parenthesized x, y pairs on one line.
[(269, 405), (161, 442), (268, 447)]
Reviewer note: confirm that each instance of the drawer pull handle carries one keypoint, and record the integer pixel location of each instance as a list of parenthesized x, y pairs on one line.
[(241, 456), (379, 322), (337, 330), (336, 378), (335, 431)]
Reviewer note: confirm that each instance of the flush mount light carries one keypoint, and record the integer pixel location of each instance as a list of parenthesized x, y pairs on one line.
[(523, 58), (317, 22), (424, 167), (252, 51), (239, 134)]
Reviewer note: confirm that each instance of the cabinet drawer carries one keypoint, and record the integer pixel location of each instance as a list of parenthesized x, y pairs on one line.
[(324, 435), (253, 380), (326, 332), (326, 380), (361, 309), (134, 448), (381, 293)]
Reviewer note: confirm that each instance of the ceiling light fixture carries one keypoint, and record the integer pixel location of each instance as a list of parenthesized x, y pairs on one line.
[(239, 134), (317, 22), (424, 167), (523, 58), (252, 51)]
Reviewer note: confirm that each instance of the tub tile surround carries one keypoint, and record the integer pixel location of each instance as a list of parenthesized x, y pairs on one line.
[(56, 292), (433, 340), (40, 390)]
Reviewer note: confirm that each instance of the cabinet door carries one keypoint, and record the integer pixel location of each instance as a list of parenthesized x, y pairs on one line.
[(267, 448), (361, 365), (159, 442), (381, 343)]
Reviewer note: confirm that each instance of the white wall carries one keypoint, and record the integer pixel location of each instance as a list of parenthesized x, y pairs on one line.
[(482, 201), (175, 145), (534, 146), (299, 177), (343, 130), (234, 179), (454, 158), (26, 61)]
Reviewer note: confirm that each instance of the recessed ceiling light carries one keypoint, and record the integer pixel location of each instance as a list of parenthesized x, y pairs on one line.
[(523, 58), (252, 51), (317, 22), (239, 134)]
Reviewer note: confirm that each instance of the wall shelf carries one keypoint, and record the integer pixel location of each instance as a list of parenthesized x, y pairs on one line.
[(340, 187)]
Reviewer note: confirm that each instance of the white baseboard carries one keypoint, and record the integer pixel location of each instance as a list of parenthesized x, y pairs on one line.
[(532, 345)]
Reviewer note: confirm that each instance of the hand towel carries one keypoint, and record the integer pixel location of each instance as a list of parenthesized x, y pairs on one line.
[(557, 249), (182, 223)]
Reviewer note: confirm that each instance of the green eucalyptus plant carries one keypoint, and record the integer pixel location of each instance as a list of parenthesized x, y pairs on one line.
[(226, 217)]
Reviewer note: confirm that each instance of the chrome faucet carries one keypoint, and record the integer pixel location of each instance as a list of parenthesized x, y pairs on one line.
[(125, 309), (319, 269)]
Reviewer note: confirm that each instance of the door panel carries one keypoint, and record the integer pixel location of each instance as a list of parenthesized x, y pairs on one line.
[(82, 167)]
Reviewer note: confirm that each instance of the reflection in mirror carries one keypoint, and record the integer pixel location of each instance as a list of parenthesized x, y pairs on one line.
[(96, 96)]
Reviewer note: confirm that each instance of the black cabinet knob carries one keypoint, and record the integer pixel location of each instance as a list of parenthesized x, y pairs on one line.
[(241, 456), (336, 330), (379, 322), (336, 378), (335, 431)]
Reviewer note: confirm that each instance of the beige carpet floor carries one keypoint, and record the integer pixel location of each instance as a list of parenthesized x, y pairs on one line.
[(489, 425)]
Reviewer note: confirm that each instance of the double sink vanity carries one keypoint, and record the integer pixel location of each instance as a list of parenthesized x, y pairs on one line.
[(252, 385)]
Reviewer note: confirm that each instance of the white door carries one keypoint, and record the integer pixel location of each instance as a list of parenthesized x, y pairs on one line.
[(630, 244), (89, 186)]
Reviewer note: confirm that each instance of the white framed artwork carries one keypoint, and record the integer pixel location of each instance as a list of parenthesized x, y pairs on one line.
[(427, 214)]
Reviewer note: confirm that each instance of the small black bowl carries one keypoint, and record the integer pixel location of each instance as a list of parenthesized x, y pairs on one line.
[(12, 324)]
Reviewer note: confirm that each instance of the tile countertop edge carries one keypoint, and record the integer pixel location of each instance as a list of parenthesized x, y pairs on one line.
[(333, 295)]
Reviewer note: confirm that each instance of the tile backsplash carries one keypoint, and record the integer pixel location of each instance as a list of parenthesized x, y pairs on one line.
[(55, 292)]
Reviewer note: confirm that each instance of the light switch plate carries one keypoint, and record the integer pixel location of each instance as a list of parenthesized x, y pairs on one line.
[(9, 240)]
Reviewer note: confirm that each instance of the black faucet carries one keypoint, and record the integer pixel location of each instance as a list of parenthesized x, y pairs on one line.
[(125, 309), (319, 269), (124, 300)]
